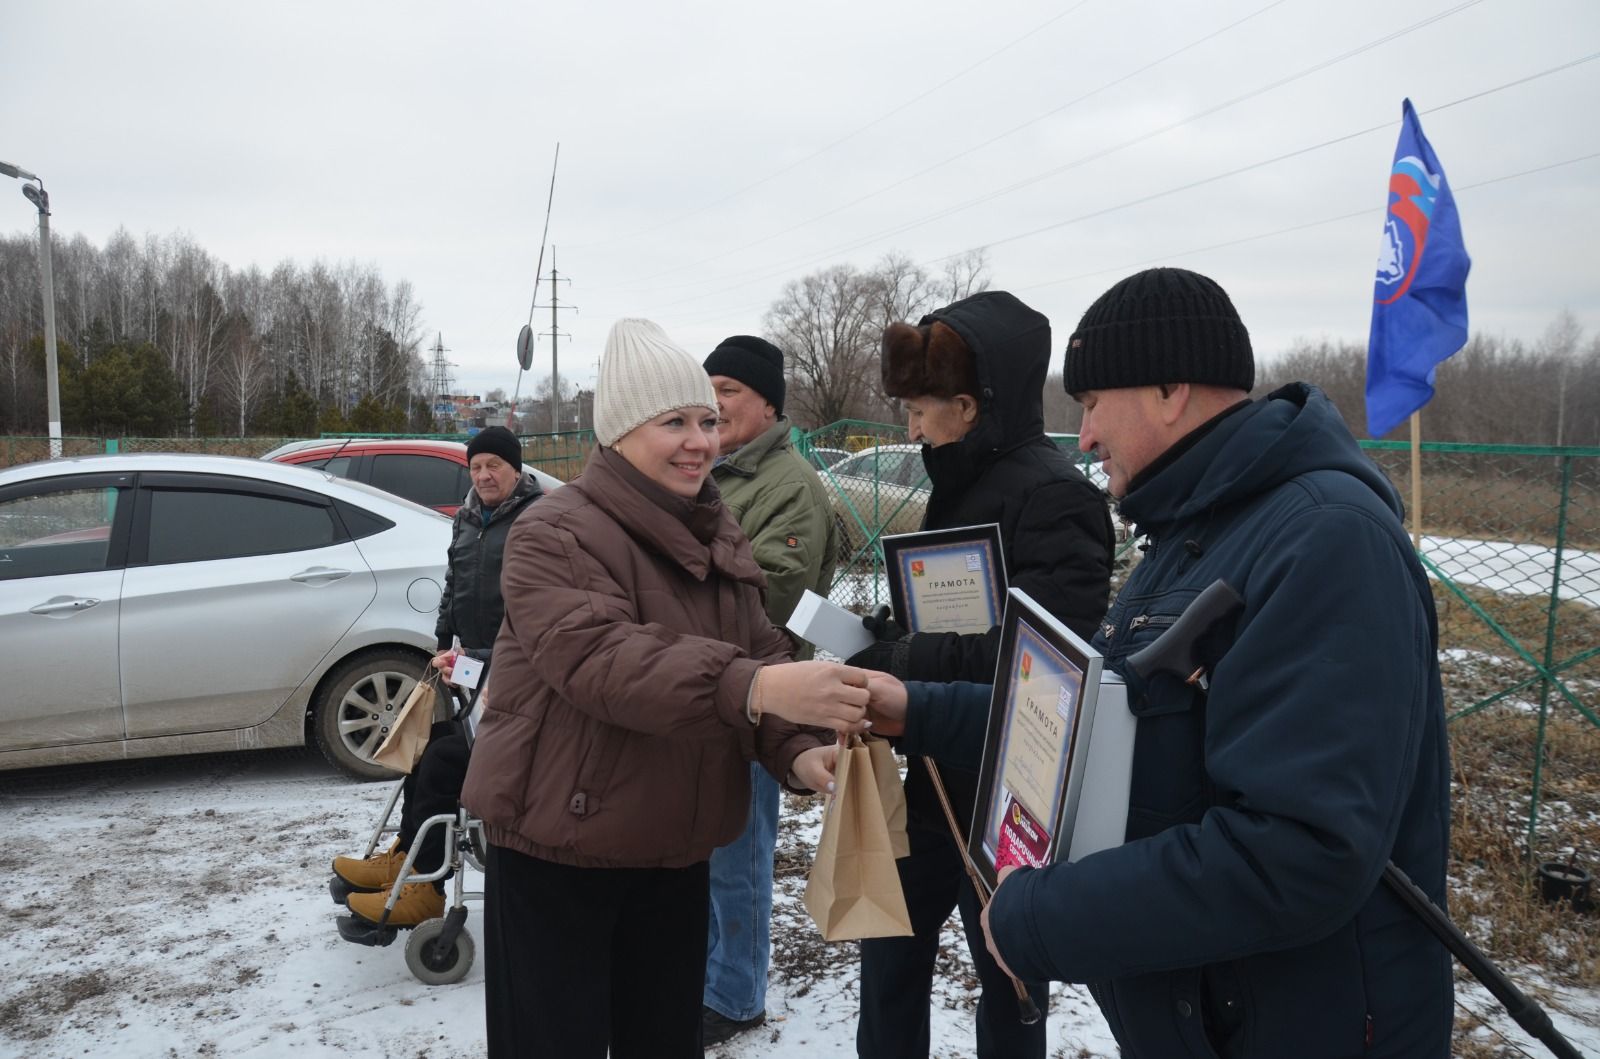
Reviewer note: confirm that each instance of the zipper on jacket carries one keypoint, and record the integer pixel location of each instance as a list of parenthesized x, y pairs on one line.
[(1108, 628), (1158, 621)]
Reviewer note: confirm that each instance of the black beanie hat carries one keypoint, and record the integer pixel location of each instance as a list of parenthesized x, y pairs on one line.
[(1162, 325), (753, 361), (496, 441)]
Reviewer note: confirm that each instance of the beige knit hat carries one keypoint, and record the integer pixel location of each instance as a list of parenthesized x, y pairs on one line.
[(643, 373)]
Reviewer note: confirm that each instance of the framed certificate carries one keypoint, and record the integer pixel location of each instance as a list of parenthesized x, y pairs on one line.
[(1036, 750), (951, 580)]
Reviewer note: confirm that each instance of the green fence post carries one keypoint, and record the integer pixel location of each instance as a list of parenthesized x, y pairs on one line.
[(1549, 648)]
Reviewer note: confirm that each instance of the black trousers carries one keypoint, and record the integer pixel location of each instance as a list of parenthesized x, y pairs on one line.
[(577, 960), (897, 973), (433, 787)]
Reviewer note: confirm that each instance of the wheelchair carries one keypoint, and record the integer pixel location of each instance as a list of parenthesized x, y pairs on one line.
[(441, 950)]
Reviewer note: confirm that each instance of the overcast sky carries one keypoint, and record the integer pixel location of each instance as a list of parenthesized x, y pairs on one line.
[(712, 151)]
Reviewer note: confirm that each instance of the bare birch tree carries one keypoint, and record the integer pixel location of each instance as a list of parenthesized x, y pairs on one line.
[(824, 322)]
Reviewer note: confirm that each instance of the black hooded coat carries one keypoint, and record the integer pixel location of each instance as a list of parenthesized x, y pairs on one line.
[(1055, 526)]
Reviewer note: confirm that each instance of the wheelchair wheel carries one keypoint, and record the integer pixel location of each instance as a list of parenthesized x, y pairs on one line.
[(432, 967)]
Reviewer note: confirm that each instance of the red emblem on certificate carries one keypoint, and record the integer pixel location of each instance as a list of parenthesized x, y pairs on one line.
[(1023, 842)]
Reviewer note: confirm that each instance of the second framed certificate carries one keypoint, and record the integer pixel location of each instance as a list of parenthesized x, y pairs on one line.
[(1036, 751), (950, 580)]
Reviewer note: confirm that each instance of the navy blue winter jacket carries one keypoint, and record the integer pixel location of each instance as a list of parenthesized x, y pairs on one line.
[(1245, 915)]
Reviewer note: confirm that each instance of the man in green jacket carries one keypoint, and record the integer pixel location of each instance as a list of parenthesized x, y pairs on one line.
[(779, 502)]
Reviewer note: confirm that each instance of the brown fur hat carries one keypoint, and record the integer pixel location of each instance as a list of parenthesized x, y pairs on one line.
[(927, 361)]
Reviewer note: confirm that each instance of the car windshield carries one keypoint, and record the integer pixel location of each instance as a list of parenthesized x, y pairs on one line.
[(885, 466)]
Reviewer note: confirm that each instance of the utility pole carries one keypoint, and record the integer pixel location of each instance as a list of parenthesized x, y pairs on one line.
[(33, 190), (555, 333), (441, 405)]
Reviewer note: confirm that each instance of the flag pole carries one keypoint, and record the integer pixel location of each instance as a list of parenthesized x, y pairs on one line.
[(1416, 480)]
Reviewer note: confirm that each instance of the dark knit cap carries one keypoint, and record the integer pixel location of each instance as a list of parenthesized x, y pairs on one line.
[(753, 361), (1162, 325), (496, 441)]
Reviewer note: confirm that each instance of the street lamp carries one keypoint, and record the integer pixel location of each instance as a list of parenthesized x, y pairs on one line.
[(35, 193)]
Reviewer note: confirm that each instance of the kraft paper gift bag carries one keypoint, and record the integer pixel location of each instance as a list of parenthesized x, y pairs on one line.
[(409, 735), (854, 888), (892, 793)]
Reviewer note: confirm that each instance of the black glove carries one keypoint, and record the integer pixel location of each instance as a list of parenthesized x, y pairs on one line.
[(881, 625), (892, 652)]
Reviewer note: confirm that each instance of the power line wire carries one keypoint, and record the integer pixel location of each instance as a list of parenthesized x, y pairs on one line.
[(745, 280), (879, 120), (1367, 211), (1257, 237), (968, 151), (1257, 165)]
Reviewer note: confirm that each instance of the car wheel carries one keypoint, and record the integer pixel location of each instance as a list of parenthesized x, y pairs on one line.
[(359, 703)]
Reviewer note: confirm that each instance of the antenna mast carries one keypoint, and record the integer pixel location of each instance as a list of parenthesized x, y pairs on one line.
[(443, 407), (524, 340)]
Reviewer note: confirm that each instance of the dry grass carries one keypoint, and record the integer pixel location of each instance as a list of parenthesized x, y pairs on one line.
[(1494, 895), (1501, 496), (1524, 617)]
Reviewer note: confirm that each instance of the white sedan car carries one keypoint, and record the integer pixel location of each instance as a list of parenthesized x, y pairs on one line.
[(172, 604)]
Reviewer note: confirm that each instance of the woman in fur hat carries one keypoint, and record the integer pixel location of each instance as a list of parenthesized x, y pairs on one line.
[(972, 379)]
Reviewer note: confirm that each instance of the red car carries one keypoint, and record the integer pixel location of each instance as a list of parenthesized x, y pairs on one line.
[(430, 473)]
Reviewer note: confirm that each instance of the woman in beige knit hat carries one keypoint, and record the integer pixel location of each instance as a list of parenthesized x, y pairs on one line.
[(635, 675)]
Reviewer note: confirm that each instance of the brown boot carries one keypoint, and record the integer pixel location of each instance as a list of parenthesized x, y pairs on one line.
[(417, 902), (377, 872)]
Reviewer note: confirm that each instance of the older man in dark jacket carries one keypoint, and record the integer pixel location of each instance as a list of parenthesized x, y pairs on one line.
[(469, 620), (1244, 916)]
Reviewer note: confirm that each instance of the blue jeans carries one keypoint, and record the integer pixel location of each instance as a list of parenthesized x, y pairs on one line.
[(740, 939)]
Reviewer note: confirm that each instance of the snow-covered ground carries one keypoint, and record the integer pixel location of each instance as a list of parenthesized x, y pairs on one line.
[(1516, 569), (179, 908)]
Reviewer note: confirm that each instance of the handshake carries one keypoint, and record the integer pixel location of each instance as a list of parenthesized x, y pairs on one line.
[(829, 695)]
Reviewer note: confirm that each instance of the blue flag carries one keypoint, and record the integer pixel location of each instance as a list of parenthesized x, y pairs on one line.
[(1419, 305)]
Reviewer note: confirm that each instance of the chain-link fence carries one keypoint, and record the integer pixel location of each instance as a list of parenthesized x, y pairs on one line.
[(562, 455), (16, 450), (1511, 536)]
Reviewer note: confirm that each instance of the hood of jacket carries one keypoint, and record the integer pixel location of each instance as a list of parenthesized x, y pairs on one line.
[(1010, 346), (698, 535), (1292, 431)]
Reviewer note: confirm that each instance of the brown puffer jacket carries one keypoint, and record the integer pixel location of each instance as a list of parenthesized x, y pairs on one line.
[(615, 732)]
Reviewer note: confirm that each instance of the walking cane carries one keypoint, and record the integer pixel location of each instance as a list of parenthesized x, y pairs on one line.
[(1027, 1010)]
